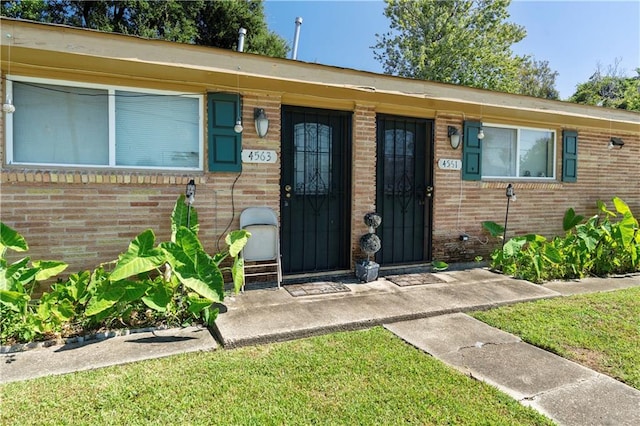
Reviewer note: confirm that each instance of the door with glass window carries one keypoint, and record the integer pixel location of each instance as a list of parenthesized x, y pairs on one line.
[(315, 183), (404, 189)]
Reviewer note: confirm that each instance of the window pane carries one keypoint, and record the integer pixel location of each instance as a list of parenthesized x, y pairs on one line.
[(157, 130), (536, 153), (499, 152), (312, 158), (399, 162), (60, 125)]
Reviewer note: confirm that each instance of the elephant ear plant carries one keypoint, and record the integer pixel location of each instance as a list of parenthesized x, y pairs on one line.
[(600, 245), (18, 315), (172, 277), (173, 282)]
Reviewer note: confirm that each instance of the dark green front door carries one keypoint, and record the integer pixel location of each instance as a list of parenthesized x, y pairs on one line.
[(404, 189), (315, 182)]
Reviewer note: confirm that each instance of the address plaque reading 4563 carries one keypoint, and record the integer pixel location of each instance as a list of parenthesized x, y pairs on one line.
[(259, 156)]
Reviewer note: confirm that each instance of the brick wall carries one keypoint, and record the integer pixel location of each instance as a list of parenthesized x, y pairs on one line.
[(88, 217), (364, 174), (461, 206)]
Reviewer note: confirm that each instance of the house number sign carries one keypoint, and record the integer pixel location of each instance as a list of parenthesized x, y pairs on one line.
[(448, 164), (259, 156)]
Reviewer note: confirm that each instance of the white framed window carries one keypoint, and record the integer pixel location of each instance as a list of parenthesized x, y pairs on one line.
[(62, 123), (518, 152)]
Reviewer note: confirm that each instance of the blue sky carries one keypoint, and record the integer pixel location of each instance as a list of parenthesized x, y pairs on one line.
[(574, 36)]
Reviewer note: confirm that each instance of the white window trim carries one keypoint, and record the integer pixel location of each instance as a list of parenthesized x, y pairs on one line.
[(526, 178), (112, 122)]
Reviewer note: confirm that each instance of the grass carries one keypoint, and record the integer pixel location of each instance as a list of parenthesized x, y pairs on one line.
[(599, 330), (364, 377)]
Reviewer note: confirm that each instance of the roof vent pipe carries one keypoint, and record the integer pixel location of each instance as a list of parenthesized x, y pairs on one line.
[(241, 33), (296, 38)]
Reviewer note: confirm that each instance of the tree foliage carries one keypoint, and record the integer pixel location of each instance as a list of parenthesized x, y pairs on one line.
[(208, 23), (611, 89), (537, 79), (465, 42)]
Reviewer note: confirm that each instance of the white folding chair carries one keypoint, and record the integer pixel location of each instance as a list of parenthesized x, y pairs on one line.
[(263, 247)]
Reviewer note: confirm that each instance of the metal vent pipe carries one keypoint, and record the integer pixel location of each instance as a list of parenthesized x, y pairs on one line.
[(296, 38), (241, 33)]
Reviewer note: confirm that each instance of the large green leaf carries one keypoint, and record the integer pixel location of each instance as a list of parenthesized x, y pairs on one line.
[(237, 272), (189, 242), (197, 303), (534, 238), (552, 254), (158, 298), (26, 275), (14, 300), (439, 265), (182, 215), (16, 269), (77, 288), (493, 228), (621, 206), (236, 240), (52, 308), (588, 235), (202, 276), (140, 257), (133, 290), (48, 268), (627, 227), (513, 246), (603, 208), (571, 219), (10, 238), (106, 296)]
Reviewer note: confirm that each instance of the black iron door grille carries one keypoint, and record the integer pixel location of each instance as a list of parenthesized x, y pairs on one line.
[(315, 190), (404, 185)]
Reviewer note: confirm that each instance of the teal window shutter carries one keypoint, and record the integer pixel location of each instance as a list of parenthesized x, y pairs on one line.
[(471, 151), (224, 144), (569, 156)]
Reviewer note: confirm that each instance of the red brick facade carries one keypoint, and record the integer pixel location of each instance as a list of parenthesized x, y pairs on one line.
[(88, 216)]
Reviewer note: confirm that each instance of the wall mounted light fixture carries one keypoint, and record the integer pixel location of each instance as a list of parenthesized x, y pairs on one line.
[(481, 134), (261, 122), (511, 196), (8, 107), (616, 142), (238, 127), (190, 197), (454, 136), (190, 193)]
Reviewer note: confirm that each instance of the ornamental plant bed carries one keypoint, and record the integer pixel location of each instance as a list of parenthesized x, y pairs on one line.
[(606, 244), (174, 283)]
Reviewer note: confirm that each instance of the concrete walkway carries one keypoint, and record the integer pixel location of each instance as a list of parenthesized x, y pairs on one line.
[(424, 309), (269, 315), (565, 391), (62, 359)]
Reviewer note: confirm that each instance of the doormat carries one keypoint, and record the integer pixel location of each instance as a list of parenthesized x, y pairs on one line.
[(407, 280), (316, 288)]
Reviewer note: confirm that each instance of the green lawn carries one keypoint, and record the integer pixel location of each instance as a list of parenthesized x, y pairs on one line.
[(601, 330), (356, 378)]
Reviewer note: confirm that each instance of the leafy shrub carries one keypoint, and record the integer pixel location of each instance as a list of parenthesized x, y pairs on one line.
[(174, 282), (597, 246)]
